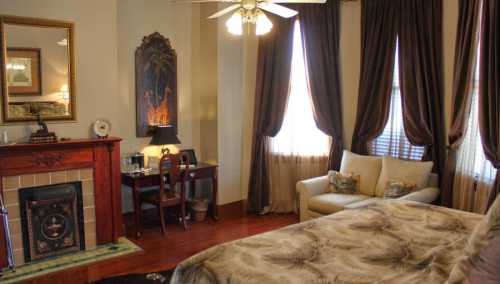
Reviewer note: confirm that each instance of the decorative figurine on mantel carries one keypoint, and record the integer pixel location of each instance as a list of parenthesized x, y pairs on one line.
[(42, 135)]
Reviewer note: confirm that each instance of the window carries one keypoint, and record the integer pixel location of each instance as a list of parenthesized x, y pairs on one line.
[(299, 134), (393, 140), (471, 158), (474, 175)]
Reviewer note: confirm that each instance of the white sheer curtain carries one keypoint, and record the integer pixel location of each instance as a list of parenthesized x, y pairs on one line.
[(298, 134), (474, 175), (300, 150), (393, 141)]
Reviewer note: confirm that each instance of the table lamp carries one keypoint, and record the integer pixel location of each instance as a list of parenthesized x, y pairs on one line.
[(164, 135)]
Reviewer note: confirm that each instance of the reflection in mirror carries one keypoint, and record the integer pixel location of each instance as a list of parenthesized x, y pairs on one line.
[(37, 72)]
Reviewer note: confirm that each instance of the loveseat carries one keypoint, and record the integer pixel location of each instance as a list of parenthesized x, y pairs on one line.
[(315, 200)]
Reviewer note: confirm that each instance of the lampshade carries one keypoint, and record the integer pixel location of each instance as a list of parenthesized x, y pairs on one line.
[(165, 135), (234, 24), (263, 25)]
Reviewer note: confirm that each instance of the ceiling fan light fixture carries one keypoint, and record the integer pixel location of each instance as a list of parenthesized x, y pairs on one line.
[(262, 25), (234, 24)]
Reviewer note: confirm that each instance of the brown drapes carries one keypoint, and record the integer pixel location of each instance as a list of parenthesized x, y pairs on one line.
[(320, 26), (465, 54), (272, 89), (421, 76), (378, 44), (489, 87)]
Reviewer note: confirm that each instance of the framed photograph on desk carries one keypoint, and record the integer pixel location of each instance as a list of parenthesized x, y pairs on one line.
[(188, 155)]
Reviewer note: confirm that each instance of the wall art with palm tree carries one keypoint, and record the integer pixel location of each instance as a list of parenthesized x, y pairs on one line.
[(156, 84)]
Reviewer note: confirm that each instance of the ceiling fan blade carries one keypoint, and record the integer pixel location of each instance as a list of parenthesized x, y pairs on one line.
[(225, 11), (299, 1), (205, 1), (277, 9)]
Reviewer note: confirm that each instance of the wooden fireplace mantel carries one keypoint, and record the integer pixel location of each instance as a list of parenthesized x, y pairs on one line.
[(102, 155)]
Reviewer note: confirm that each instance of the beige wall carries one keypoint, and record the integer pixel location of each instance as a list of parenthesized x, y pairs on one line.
[(230, 96), (216, 74), (106, 36), (350, 55), (137, 19), (350, 60), (96, 59)]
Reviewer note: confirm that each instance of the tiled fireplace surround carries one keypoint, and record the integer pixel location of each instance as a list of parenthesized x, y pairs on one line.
[(93, 162), (12, 185)]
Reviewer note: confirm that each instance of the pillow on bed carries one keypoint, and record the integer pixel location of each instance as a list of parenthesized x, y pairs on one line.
[(480, 263), (343, 183), (407, 171), (396, 189), (367, 167)]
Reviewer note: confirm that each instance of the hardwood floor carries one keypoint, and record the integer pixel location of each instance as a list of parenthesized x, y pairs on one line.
[(165, 252)]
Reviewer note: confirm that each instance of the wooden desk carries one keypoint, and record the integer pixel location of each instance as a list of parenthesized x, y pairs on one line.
[(152, 178)]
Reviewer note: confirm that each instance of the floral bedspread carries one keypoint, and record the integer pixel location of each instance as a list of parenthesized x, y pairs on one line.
[(386, 242)]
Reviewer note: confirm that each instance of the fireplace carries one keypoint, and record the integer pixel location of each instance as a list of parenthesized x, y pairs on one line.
[(91, 165), (52, 220)]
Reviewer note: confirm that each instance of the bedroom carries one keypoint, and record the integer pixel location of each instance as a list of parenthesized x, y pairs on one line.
[(346, 69)]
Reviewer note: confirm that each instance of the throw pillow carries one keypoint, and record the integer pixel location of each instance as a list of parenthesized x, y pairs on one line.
[(367, 167), (479, 261), (396, 189), (343, 183), (409, 171)]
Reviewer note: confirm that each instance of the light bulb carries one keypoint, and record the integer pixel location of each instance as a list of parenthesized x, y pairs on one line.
[(64, 88), (263, 24), (235, 24)]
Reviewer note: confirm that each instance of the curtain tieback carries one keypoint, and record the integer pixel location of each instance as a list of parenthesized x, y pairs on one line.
[(496, 165)]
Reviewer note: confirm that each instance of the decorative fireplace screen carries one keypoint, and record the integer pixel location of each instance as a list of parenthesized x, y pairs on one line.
[(52, 220)]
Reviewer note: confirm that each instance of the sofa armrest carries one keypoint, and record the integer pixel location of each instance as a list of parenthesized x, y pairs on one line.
[(307, 189), (425, 195)]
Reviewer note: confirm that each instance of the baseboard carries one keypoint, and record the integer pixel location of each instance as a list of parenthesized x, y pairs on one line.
[(231, 210)]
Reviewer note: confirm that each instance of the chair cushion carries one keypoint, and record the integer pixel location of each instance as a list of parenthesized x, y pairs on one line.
[(367, 167), (153, 196), (333, 202), (403, 171)]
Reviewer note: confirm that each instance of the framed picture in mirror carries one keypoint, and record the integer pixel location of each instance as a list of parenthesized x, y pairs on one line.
[(23, 71), (37, 69)]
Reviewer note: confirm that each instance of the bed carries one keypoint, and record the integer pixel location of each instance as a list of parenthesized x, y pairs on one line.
[(385, 242)]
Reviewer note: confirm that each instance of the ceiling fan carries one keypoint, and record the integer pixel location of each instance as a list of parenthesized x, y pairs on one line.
[(252, 12)]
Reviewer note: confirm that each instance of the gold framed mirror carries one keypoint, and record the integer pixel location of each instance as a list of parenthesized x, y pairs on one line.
[(37, 69)]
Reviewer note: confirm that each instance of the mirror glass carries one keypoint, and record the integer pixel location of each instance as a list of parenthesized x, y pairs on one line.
[(37, 72)]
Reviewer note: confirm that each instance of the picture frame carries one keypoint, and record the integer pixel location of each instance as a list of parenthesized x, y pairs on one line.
[(188, 155), (24, 71), (155, 84)]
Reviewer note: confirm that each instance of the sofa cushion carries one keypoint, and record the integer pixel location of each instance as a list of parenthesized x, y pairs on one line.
[(343, 183), (367, 167), (363, 203), (404, 171), (333, 202), (396, 189)]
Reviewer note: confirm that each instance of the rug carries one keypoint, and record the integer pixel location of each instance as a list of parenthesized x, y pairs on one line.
[(148, 278), (38, 268)]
